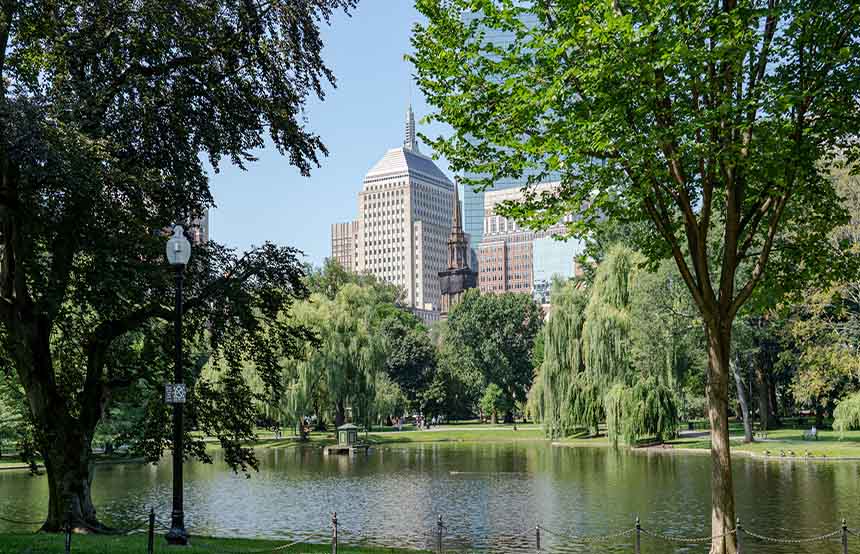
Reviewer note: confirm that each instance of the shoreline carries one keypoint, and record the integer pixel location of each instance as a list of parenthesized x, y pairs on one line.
[(681, 451), (785, 441)]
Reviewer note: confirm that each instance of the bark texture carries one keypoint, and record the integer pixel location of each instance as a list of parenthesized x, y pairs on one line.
[(742, 400), (722, 486)]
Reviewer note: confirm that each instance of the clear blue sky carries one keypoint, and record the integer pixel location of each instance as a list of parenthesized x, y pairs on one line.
[(358, 121)]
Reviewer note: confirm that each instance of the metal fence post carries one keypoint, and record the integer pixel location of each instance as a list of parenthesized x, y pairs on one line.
[(439, 527), (537, 536), (738, 530), (150, 535), (844, 536), (636, 547), (334, 533), (68, 531)]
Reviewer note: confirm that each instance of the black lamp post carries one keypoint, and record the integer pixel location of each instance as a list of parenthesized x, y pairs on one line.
[(178, 253)]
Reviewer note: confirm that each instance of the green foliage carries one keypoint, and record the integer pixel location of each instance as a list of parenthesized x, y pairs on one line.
[(389, 400), (641, 129), (606, 327), (821, 339), (410, 356), (557, 386), (494, 334), (643, 409), (666, 338), (493, 401), (846, 416), (601, 343), (109, 122), (456, 385), (343, 371), (707, 123)]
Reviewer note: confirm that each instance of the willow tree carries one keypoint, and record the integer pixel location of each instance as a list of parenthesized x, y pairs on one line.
[(700, 118), (560, 378), (606, 333), (341, 371), (636, 397)]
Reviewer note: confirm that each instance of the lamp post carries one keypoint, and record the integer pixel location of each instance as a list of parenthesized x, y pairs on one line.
[(178, 253)]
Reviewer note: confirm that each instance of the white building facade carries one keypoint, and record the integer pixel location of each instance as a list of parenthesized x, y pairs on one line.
[(404, 219)]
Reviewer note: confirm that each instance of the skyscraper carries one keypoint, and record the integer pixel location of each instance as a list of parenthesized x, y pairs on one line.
[(473, 201), (344, 238), (404, 218), (507, 258)]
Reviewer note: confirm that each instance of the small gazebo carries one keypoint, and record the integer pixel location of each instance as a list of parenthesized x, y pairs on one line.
[(347, 441), (347, 435)]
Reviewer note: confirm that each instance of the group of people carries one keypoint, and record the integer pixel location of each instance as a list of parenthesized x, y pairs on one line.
[(423, 423)]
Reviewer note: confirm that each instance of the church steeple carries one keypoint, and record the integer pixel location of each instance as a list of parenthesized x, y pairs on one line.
[(458, 246), (459, 277), (410, 141)]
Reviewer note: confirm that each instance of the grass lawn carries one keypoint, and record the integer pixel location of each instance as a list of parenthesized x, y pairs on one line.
[(830, 444), (780, 443), (136, 544), (488, 433), (474, 432)]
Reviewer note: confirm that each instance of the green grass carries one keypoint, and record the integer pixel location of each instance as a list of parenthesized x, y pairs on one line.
[(780, 443), (136, 544), (447, 433), (498, 433), (830, 444)]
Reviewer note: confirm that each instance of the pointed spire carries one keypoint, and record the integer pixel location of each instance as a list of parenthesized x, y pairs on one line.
[(457, 221), (410, 141)]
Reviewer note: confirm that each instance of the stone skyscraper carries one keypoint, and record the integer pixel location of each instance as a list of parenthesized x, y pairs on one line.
[(404, 218)]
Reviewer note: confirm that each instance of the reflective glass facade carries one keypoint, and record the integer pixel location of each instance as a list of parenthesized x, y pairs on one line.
[(473, 202), (553, 259)]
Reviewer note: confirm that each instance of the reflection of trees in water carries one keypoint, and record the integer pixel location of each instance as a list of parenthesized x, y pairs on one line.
[(495, 491)]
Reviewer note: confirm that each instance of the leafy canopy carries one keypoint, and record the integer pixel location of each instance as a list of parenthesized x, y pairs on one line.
[(494, 334), (696, 117), (109, 114)]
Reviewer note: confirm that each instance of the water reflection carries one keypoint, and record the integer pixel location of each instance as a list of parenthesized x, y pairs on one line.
[(491, 496)]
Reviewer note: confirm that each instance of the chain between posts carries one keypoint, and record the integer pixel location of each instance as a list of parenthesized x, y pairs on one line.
[(688, 540), (587, 539), (843, 532), (793, 541), (266, 550)]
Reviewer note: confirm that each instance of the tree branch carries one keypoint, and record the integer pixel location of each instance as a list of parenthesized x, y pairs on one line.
[(761, 261)]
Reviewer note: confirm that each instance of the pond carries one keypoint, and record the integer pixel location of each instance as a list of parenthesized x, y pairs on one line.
[(491, 495)]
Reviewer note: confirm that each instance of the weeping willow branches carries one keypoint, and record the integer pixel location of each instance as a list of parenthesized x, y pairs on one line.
[(342, 372), (589, 374)]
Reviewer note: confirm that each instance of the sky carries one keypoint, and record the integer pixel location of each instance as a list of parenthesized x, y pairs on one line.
[(358, 121)]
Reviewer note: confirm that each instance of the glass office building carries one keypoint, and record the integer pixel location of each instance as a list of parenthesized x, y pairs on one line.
[(473, 201), (553, 259)]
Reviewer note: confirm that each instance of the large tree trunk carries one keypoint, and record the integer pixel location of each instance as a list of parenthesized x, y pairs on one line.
[(819, 415), (722, 487), (766, 407), (69, 466), (742, 400), (64, 440), (774, 405), (763, 399)]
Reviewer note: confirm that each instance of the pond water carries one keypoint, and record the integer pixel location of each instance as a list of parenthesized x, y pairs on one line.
[(491, 495)]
